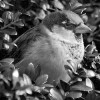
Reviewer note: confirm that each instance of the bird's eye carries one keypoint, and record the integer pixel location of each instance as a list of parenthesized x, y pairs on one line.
[(69, 25)]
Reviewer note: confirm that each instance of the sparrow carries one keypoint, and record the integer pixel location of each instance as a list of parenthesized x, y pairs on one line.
[(55, 42)]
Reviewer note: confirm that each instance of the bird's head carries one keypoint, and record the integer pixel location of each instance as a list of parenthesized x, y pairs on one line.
[(66, 24)]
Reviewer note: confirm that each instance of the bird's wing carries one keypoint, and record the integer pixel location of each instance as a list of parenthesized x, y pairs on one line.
[(23, 42)]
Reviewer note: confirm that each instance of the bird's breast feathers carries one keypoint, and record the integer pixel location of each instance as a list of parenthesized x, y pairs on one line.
[(69, 51)]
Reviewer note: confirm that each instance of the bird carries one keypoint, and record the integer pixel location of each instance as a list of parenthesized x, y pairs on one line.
[(55, 42)]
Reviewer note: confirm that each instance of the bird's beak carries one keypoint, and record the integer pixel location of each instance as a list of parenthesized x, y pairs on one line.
[(82, 28)]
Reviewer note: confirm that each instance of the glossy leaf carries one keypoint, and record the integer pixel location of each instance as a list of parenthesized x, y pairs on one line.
[(91, 96), (89, 83), (4, 79), (47, 85), (41, 79), (74, 4), (19, 23), (2, 87), (7, 60), (65, 86), (1, 20), (7, 38), (15, 77), (25, 85), (93, 65), (81, 87), (7, 16), (4, 5), (27, 80), (6, 46), (55, 94), (90, 48), (17, 15), (74, 95), (10, 31), (58, 4), (90, 73), (41, 15), (30, 71), (30, 13)]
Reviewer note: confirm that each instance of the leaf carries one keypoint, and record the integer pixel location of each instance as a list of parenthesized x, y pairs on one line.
[(41, 15), (37, 71), (19, 23), (98, 98), (6, 46), (1, 20), (65, 86), (55, 94), (45, 6), (91, 96), (7, 38), (17, 15), (37, 89), (7, 60), (89, 83), (15, 74), (47, 85), (71, 66), (33, 1), (2, 87), (25, 85), (58, 4), (32, 98), (75, 4), (90, 39), (93, 65), (18, 92), (15, 77), (98, 76), (81, 87), (30, 71), (87, 73), (21, 81), (4, 5), (90, 48), (10, 31), (85, 18), (8, 73), (6, 68), (42, 79), (30, 13), (27, 80), (90, 73), (7, 15), (23, 90), (4, 79), (28, 91), (75, 94), (93, 28), (90, 56), (97, 91), (7, 2)]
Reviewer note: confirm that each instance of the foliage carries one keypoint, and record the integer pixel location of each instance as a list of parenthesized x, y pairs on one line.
[(16, 17)]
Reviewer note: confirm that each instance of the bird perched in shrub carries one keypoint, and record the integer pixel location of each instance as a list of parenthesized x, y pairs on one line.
[(55, 42)]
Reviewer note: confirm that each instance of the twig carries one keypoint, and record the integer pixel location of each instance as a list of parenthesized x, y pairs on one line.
[(8, 25)]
